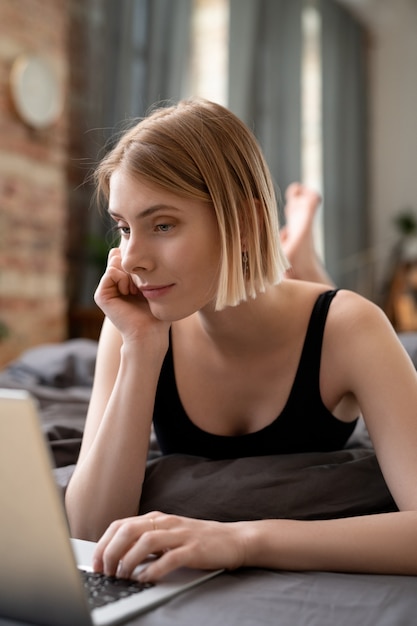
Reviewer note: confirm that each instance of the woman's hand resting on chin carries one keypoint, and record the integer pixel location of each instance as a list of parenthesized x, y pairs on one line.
[(123, 303), (177, 541)]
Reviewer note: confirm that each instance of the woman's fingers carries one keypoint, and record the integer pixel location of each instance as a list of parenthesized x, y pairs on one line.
[(104, 541), (176, 541), (115, 276), (169, 561), (116, 287), (118, 541)]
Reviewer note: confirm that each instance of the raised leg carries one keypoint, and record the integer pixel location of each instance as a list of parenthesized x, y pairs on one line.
[(297, 235)]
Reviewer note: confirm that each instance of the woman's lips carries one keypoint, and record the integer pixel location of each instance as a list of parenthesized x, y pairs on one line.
[(152, 292)]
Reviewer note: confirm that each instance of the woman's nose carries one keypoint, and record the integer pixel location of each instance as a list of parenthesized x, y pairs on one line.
[(134, 256)]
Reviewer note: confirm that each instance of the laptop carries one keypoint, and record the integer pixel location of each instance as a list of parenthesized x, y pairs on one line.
[(42, 570)]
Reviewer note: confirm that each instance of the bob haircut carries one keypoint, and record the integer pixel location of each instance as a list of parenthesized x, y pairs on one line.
[(199, 149)]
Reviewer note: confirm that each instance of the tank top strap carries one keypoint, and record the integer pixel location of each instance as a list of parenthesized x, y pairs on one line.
[(307, 380)]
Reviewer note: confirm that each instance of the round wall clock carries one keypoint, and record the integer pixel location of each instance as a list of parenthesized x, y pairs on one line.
[(36, 91)]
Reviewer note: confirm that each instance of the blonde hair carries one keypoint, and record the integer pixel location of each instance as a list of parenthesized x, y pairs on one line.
[(201, 150)]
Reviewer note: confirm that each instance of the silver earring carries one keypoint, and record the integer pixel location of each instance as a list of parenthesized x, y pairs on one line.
[(245, 263)]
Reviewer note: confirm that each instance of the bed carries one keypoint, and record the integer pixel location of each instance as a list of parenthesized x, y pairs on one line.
[(299, 486)]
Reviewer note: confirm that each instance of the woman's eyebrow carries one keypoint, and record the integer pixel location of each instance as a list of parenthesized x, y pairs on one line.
[(146, 212)]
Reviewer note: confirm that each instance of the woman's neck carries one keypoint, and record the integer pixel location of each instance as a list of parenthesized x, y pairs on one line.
[(250, 325)]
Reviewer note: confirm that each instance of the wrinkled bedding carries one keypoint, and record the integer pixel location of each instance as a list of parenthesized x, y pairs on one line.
[(59, 376), (300, 486)]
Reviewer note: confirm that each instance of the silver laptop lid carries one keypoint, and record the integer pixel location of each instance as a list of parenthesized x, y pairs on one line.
[(39, 581)]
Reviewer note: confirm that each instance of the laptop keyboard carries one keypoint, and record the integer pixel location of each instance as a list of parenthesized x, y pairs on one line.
[(103, 589)]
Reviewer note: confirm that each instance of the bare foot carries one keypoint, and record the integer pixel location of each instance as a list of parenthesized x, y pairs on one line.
[(297, 235)]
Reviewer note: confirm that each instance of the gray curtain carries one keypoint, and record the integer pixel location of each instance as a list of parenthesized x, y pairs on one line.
[(138, 57), (344, 146), (265, 79), (265, 91), (145, 55)]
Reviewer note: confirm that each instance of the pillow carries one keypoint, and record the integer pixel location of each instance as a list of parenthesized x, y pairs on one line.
[(296, 486), (66, 364)]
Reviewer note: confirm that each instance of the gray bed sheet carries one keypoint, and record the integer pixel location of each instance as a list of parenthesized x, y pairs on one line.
[(255, 597)]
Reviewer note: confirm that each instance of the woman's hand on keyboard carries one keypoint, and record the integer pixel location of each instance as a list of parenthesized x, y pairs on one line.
[(177, 541)]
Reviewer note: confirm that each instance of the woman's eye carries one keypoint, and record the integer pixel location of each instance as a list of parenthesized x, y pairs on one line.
[(164, 228), (124, 230)]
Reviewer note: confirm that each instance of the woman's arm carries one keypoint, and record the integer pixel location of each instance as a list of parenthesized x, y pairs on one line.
[(373, 365), (382, 544), (107, 481)]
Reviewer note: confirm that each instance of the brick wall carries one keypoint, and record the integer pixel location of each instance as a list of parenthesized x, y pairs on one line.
[(34, 185)]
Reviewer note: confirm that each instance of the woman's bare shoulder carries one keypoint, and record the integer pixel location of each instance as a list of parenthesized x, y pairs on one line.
[(350, 310), (359, 338)]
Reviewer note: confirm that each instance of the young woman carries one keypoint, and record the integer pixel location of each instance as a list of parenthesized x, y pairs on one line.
[(197, 307)]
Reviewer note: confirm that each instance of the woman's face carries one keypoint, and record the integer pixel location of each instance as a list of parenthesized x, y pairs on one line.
[(170, 245)]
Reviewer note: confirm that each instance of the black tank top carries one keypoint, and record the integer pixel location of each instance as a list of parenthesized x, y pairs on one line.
[(304, 425)]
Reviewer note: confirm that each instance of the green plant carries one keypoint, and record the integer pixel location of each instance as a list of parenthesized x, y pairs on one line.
[(406, 222), (98, 250)]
